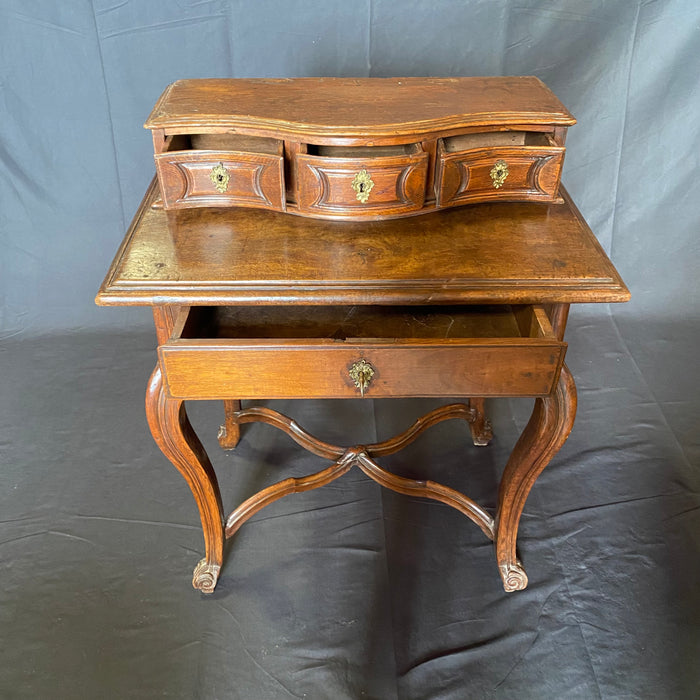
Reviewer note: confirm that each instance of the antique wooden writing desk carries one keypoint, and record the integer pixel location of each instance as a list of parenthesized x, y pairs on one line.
[(464, 302)]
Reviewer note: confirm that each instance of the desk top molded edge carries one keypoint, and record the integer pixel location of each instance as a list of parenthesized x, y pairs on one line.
[(120, 290), (366, 108)]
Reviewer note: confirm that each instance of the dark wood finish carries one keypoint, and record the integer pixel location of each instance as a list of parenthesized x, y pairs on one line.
[(255, 304), (164, 318), (549, 426), (463, 172), (173, 433), (558, 316), (480, 426), (465, 353), (325, 184), (519, 113), (345, 110), (230, 432), (362, 456), (490, 253), (256, 180)]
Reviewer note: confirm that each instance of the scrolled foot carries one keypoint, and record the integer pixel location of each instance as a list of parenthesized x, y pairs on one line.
[(514, 577), (205, 576)]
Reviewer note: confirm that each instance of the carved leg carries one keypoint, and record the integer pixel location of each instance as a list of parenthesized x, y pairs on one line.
[(177, 440), (549, 426), (230, 431), (480, 425)]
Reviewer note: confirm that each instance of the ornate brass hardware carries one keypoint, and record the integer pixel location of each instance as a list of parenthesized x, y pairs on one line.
[(220, 177), (362, 184), (361, 373), (499, 173)]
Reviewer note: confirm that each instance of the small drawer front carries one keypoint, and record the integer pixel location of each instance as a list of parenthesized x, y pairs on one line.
[(221, 178), (324, 369), (513, 173), (361, 187)]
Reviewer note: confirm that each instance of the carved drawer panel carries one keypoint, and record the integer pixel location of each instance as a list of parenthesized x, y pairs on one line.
[(369, 182), (500, 165), (220, 170), (345, 352)]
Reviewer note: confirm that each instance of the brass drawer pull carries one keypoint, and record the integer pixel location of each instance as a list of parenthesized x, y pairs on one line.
[(361, 373), (220, 177), (499, 173), (362, 184)]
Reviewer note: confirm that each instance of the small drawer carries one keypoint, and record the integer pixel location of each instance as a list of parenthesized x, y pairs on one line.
[(361, 182), (371, 351), (221, 170), (513, 165)]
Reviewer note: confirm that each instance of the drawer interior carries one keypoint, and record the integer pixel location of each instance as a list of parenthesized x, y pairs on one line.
[(225, 142), (407, 149), (466, 142), (360, 323)]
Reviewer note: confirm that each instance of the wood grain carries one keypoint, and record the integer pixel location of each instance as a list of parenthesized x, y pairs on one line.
[(490, 351), (344, 110), (177, 440), (322, 132), (550, 424), (363, 457), (487, 253)]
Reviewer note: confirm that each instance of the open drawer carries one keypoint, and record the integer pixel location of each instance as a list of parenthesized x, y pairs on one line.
[(361, 182), (351, 351), (219, 170), (507, 165)]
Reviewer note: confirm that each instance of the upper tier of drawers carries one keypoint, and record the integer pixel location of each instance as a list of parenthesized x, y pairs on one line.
[(358, 148)]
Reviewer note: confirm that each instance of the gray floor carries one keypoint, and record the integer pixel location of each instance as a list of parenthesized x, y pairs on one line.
[(349, 591)]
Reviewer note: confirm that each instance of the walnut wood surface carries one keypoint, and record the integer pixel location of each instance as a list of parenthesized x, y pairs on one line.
[(341, 323), (480, 427), (230, 432), (256, 180), (263, 264), (549, 426), (177, 440), (354, 108), (534, 174), (325, 185), (495, 351), (362, 456), (319, 133), (486, 253)]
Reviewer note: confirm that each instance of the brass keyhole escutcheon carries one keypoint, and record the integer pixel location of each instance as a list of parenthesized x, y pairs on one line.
[(220, 177), (362, 184), (361, 372), (499, 173)]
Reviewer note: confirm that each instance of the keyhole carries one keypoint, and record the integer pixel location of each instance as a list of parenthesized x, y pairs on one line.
[(362, 187), (220, 177)]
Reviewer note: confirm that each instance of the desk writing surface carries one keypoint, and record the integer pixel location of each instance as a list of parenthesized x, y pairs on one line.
[(484, 253)]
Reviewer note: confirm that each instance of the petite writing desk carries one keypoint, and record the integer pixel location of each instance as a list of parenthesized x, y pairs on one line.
[(469, 302)]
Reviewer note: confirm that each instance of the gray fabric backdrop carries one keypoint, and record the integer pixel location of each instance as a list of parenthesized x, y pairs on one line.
[(79, 78), (348, 591)]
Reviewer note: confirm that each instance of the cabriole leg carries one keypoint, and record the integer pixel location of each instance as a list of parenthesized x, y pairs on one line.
[(177, 440), (549, 426)]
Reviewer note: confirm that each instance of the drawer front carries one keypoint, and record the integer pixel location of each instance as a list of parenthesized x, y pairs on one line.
[(220, 178), (200, 369), (515, 173), (361, 188)]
